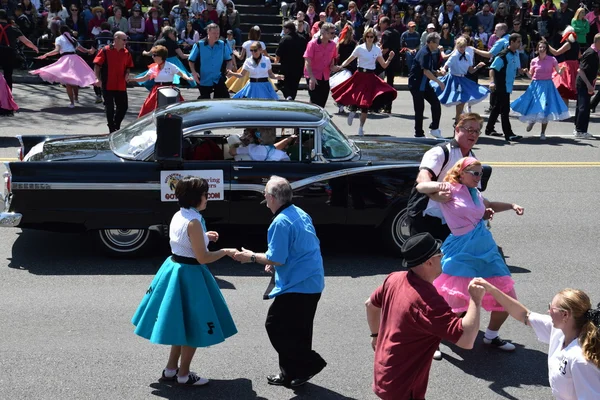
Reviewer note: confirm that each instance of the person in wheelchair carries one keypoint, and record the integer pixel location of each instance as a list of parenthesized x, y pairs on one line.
[(257, 144)]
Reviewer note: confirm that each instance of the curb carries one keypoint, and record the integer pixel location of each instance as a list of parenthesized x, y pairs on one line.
[(36, 80)]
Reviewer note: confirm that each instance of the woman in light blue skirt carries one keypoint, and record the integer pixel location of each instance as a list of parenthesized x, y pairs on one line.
[(258, 67), (458, 89), (541, 102), (183, 307)]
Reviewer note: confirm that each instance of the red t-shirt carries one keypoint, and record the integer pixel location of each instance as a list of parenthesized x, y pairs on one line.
[(414, 320), (118, 62)]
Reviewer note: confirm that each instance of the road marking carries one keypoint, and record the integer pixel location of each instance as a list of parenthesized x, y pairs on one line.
[(8, 159), (543, 164)]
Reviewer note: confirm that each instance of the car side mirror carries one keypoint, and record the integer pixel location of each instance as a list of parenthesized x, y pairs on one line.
[(169, 139)]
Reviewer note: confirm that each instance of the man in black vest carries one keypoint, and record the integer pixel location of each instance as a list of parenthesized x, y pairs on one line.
[(9, 35), (449, 16), (290, 54), (586, 82), (390, 41)]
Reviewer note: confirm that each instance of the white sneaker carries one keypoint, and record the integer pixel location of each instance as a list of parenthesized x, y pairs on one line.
[(499, 344), (542, 136), (530, 126), (192, 380), (340, 109), (577, 134), (586, 135), (71, 105), (437, 355), (289, 98), (351, 115), (360, 131), (467, 108), (436, 133)]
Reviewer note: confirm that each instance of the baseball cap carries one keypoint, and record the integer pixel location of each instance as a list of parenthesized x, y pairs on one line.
[(412, 23), (322, 14), (431, 26)]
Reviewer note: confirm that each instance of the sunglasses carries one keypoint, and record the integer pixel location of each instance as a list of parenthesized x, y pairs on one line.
[(369, 36), (471, 131), (153, 55), (74, 9), (476, 174), (254, 50)]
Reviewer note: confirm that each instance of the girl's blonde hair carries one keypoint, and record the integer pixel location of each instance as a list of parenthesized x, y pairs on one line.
[(453, 175), (461, 42), (579, 13), (586, 321)]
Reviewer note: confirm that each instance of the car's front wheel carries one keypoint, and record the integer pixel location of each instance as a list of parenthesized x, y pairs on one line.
[(124, 242), (396, 230)]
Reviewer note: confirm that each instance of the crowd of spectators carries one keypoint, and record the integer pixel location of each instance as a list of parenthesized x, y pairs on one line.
[(474, 19), (142, 20)]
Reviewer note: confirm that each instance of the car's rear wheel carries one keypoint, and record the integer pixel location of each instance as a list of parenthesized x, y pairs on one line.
[(124, 242), (396, 230)]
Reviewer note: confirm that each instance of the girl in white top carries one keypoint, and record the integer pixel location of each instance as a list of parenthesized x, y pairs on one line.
[(572, 330), (364, 89), (258, 69)]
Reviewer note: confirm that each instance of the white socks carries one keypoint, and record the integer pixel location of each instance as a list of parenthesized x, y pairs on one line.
[(169, 373), (489, 334)]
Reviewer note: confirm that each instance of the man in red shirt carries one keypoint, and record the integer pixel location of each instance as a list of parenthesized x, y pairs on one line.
[(111, 65), (408, 320)]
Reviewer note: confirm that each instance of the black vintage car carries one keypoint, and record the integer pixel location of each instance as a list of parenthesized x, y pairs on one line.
[(119, 187)]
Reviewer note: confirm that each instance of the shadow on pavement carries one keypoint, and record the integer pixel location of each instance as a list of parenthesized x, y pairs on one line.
[(216, 390), (502, 369), (349, 253), (311, 391)]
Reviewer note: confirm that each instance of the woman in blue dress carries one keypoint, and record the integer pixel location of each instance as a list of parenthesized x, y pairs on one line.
[(258, 67), (460, 90), (184, 307)]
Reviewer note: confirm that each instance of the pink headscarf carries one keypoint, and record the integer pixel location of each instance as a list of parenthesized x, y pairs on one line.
[(466, 162)]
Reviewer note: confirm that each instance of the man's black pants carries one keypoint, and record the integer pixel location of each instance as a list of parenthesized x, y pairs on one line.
[(219, 89), (7, 62), (419, 99), (390, 74), (289, 86), (320, 95), (582, 111), (426, 223), (290, 328), (115, 99), (500, 107)]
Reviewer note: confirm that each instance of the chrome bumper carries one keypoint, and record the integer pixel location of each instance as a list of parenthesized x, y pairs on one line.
[(8, 219)]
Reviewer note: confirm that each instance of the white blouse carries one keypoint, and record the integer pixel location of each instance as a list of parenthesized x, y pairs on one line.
[(260, 70), (65, 44), (571, 376), (246, 46), (458, 64), (367, 59), (167, 73), (178, 235)]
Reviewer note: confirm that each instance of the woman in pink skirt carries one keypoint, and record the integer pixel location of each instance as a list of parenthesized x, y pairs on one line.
[(70, 69), (7, 103)]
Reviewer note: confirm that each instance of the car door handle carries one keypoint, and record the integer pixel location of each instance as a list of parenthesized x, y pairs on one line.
[(238, 167)]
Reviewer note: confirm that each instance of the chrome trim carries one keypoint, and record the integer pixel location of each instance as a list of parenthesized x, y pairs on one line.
[(346, 172), (248, 187), (2, 204), (238, 167), (84, 186), (9, 219)]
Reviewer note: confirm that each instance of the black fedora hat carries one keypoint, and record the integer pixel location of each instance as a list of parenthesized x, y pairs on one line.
[(419, 248)]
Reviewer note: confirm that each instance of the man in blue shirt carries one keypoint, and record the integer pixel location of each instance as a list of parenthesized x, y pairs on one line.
[(294, 255), (503, 71), (424, 68), (209, 60)]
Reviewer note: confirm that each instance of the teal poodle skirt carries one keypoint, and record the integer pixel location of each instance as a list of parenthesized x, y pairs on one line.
[(184, 306)]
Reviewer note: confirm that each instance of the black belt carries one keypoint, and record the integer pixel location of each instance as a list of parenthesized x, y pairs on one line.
[(163, 83), (184, 260), (368, 71), (259, 79), (67, 53)]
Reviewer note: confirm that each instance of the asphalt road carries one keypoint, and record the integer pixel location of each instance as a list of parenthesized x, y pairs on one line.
[(65, 310)]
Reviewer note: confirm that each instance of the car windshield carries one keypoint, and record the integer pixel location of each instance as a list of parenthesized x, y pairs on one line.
[(132, 140), (334, 143)]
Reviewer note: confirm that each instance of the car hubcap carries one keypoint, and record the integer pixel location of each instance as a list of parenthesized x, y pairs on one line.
[(401, 228), (124, 239)]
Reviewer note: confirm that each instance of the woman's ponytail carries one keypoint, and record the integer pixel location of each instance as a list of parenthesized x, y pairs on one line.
[(589, 338)]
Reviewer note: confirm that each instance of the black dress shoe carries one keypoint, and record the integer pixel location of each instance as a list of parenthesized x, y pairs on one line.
[(493, 133), (514, 138), (278, 380), (300, 381)]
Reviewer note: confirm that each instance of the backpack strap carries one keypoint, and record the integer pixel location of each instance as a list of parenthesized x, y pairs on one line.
[(4, 36)]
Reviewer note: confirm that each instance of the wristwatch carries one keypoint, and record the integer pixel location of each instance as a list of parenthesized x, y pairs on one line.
[(253, 258)]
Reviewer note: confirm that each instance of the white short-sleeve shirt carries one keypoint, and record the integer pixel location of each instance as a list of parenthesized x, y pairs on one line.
[(65, 44), (571, 376), (260, 152), (366, 59), (246, 46), (178, 235), (459, 65), (260, 70), (167, 73), (432, 161)]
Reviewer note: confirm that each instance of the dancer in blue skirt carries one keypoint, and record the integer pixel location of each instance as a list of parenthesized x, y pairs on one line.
[(460, 90), (258, 67), (184, 307), (541, 102)]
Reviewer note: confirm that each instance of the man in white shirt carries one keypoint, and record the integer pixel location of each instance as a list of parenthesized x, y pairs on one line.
[(263, 151), (222, 6)]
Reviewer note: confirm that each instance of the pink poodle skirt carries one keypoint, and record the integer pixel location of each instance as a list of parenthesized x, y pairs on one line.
[(7, 103), (455, 290), (70, 69), (566, 82)]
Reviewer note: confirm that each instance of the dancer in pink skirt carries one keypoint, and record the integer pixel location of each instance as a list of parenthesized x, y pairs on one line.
[(7, 103), (70, 70)]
